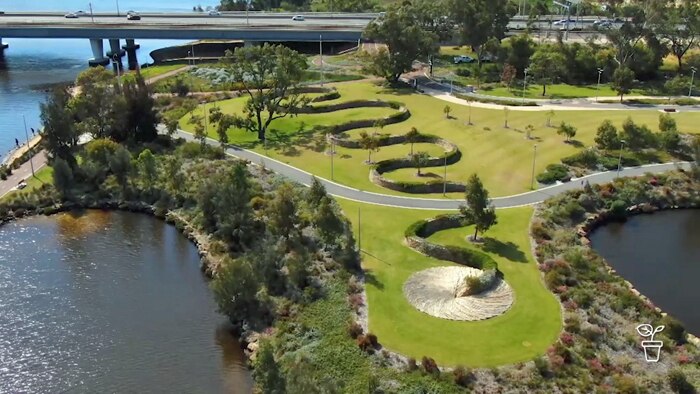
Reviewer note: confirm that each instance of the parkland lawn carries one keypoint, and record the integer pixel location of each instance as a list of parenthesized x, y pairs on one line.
[(501, 156), (525, 331)]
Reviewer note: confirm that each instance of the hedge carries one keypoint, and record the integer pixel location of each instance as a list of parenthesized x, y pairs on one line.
[(505, 101)]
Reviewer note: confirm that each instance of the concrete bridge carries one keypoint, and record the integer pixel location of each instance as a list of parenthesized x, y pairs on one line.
[(249, 27)]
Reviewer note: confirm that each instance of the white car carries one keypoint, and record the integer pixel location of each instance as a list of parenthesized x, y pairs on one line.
[(80, 13), (298, 18), (463, 59), (71, 15), (214, 13)]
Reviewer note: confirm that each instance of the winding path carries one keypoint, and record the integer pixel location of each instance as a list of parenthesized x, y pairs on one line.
[(351, 193)]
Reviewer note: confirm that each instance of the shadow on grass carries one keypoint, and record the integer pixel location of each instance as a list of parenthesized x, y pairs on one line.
[(507, 250), (372, 280), (575, 143)]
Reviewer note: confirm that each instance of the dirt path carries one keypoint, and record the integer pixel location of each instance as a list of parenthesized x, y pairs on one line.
[(157, 78)]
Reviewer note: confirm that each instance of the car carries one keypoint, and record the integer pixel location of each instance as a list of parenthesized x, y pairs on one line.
[(463, 59), (71, 15), (21, 185), (133, 17), (130, 12), (214, 13), (602, 24), (562, 22), (382, 14), (80, 13), (298, 18)]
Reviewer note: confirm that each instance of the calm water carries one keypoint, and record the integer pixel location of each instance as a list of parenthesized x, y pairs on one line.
[(30, 64), (660, 255), (109, 302)]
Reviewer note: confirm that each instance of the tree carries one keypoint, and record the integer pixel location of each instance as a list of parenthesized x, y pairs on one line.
[(171, 124), (431, 17), (637, 137), (148, 168), (316, 192), (420, 159), (607, 136), (140, 115), (206, 202), (62, 177), (412, 137), (223, 123), (547, 65), (508, 75), (234, 215), (479, 21), (447, 111), (550, 115), (340, 5), (267, 373), (478, 210), (270, 76), (327, 222), (120, 165), (567, 130), (97, 103), (529, 129), (633, 31), (199, 134), (234, 290), (519, 49), (679, 27), (406, 40), (667, 123), (60, 136), (369, 143), (283, 220), (622, 81)]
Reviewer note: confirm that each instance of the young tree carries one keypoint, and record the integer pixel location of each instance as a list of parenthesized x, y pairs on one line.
[(607, 136), (234, 290), (62, 177), (406, 40), (567, 130), (637, 136), (547, 66), (508, 75), (267, 372), (327, 222), (270, 76), (479, 21), (171, 124), (140, 116), (447, 111), (120, 165), (369, 143), (529, 129), (148, 168), (199, 134), (283, 220), (622, 81), (506, 111), (419, 159), (60, 136), (234, 214), (412, 137), (478, 210), (667, 123), (550, 115), (670, 138)]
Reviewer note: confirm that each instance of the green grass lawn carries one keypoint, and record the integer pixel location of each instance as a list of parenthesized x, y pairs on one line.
[(502, 157), (150, 72), (522, 333), (556, 91)]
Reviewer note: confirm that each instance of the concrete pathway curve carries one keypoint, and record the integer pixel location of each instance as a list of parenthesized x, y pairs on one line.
[(350, 193)]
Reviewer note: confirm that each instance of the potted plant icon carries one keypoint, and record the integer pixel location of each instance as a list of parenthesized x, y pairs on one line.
[(652, 348)]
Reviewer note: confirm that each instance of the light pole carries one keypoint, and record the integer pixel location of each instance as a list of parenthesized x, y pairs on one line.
[(247, 7), (444, 178), (619, 160), (31, 160), (597, 89), (469, 103), (525, 83), (320, 53), (692, 78), (189, 58), (115, 63), (534, 157), (193, 64), (92, 17), (117, 7)]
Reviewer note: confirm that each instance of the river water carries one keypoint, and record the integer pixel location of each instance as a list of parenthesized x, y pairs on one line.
[(30, 64), (109, 302), (660, 255)]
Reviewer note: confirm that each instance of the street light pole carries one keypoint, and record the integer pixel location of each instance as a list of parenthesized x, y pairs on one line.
[(469, 102), (597, 89), (444, 178), (189, 58), (524, 83), (117, 7), (534, 157), (619, 160), (31, 160), (193, 64), (92, 17), (119, 75), (692, 78), (320, 53), (247, 7)]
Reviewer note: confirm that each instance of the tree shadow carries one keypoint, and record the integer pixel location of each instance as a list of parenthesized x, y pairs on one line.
[(428, 175), (507, 250), (575, 143), (372, 280)]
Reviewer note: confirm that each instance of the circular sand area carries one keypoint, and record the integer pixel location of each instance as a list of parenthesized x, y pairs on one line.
[(432, 291)]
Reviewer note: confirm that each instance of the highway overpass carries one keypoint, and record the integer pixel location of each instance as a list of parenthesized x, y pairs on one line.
[(251, 27)]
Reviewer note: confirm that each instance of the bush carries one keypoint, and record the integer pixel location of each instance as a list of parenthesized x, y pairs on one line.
[(674, 329), (354, 329), (542, 366), (365, 344), (430, 366), (463, 72), (553, 173), (586, 158), (481, 283), (462, 376), (411, 365), (373, 340), (679, 383)]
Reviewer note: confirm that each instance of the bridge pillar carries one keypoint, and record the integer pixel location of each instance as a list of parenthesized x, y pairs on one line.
[(3, 46), (248, 44), (114, 49), (98, 57), (131, 47)]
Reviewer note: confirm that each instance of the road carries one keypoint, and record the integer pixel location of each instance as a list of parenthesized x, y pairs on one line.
[(351, 193), (23, 172)]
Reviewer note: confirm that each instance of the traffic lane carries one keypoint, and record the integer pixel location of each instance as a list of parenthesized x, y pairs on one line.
[(209, 21)]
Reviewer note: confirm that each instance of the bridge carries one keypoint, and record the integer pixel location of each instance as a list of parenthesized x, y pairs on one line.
[(250, 27)]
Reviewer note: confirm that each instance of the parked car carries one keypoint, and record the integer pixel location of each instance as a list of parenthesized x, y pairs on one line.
[(80, 13), (562, 22), (298, 18), (133, 17), (602, 24), (214, 13), (71, 15), (463, 59)]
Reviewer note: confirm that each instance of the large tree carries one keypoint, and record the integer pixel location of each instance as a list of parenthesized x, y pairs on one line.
[(406, 40), (679, 28), (622, 81), (97, 103), (60, 135), (478, 210), (547, 65), (633, 31), (270, 76), (479, 21), (140, 116)]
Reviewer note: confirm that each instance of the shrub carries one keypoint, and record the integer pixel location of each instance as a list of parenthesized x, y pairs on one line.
[(463, 72), (430, 366), (679, 383), (542, 366), (674, 329), (587, 158), (411, 365), (553, 173), (462, 376), (354, 329), (372, 340), (481, 283), (365, 344)]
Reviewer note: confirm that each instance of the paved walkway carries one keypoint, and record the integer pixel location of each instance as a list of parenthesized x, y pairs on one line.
[(164, 75), (351, 193), (22, 173)]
